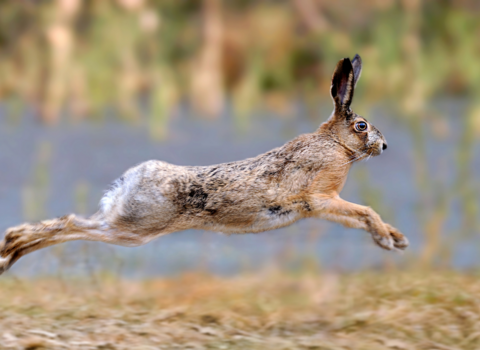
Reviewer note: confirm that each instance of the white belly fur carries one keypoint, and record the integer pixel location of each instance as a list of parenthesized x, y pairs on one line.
[(264, 222)]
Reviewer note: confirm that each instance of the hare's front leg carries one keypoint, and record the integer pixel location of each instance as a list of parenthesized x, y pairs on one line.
[(358, 216)]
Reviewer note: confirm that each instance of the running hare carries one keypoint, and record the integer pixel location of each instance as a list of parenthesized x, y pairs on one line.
[(300, 179)]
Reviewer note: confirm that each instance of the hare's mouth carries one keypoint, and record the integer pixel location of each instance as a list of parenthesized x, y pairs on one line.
[(375, 150)]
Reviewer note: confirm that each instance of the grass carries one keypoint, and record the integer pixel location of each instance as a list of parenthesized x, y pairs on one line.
[(375, 310)]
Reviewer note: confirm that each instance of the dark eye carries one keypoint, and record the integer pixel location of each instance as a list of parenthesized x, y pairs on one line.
[(361, 126)]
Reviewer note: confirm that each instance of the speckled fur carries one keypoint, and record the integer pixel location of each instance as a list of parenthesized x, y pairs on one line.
[(300, 179)]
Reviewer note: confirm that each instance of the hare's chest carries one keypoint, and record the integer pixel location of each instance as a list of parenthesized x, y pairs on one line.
[(331, 180)]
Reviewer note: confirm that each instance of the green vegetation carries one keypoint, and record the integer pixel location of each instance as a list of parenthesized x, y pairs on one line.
[(81, 57)]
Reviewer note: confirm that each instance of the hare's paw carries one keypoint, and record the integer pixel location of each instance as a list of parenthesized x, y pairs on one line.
[(400, 241), (384, 241)]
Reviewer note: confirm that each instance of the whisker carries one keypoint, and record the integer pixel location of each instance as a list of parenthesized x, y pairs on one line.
[(370, 155), (354, 159)]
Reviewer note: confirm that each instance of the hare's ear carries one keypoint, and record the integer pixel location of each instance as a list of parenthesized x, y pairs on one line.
[(357, 68), (343, 84)]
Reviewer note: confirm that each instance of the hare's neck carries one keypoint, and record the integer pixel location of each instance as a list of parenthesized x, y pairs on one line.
[(350, 153)]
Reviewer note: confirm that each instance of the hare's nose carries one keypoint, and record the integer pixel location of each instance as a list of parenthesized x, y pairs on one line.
[(384, 146)]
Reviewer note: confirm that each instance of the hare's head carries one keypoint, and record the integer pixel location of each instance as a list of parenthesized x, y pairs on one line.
[(351, 130)]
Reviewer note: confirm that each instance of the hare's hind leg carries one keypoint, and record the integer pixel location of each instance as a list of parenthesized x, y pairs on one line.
[(358, 216), (26, 238)]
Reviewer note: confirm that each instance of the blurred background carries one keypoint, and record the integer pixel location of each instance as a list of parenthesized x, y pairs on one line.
[(91, 88)]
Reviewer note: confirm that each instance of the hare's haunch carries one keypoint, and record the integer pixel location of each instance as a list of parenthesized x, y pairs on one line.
[(301, 179)]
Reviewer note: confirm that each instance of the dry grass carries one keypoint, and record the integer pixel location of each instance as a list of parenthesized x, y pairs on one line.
[(381, 310)]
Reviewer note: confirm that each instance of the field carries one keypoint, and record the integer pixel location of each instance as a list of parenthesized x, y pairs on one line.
[(374, 310)]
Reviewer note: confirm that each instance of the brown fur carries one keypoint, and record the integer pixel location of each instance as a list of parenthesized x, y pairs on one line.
[(301, 179)]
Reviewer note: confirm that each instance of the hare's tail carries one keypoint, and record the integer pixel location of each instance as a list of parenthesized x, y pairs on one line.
[(26, 238)]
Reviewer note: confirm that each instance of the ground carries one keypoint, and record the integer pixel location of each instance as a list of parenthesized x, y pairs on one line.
[(374, 310)]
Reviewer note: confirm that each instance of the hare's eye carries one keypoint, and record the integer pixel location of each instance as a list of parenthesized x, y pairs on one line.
[(361, 126)]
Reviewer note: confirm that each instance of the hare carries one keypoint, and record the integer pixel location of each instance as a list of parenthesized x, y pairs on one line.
[(301, 179)]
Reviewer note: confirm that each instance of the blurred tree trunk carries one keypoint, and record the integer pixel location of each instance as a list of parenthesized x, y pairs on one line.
[(207, 78), (311, 15), (60, 39)]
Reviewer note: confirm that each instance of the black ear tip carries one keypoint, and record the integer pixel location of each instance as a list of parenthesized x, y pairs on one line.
[(346, 62)]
